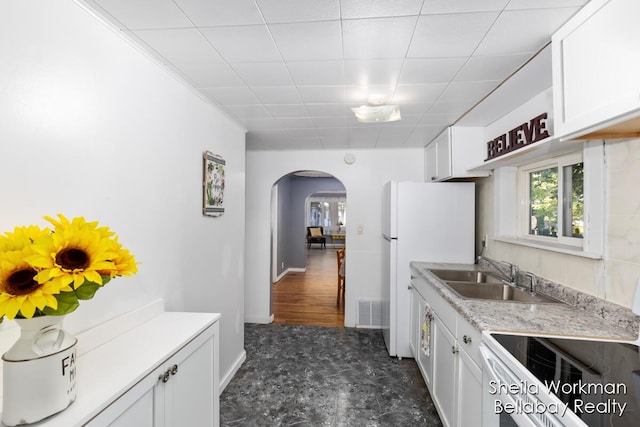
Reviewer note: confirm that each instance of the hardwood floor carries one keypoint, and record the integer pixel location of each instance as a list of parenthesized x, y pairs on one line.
[(309, 298)]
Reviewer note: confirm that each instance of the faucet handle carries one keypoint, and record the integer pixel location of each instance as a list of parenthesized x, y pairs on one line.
[(534, 283)]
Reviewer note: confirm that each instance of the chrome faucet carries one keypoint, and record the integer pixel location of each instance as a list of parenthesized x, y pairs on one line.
[(534, 283), (508, 279)]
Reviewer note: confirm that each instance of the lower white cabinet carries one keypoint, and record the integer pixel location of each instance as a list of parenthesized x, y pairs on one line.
[(420, 326), (148, 368), (180, 389), (452, 371)]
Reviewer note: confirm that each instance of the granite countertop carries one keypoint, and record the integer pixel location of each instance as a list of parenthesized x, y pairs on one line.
[(554, 319)]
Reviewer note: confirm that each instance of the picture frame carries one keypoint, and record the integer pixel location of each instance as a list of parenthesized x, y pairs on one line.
[(213, 181)]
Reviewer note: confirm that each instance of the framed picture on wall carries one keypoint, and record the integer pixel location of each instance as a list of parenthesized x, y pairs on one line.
[(212, 184)]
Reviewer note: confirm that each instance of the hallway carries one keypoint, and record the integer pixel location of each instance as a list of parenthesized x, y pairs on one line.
[(309, 298)]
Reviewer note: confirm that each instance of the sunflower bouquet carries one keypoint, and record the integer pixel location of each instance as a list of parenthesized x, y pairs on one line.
[(47, 271)]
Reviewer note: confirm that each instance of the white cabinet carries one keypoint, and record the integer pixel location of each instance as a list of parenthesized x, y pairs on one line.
[(596, 64), (182, 387), (453, 370), (147, 369), (455, 150), (421, 325), (445, 380)]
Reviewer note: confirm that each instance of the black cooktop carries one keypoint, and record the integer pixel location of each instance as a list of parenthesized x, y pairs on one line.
[(599, 380)]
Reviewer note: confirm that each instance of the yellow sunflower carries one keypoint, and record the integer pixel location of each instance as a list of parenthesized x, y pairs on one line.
[(76, 251), (124, 262), (20, 293)]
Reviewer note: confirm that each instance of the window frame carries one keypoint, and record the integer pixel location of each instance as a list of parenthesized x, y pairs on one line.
[(525, 200), (507, 204)]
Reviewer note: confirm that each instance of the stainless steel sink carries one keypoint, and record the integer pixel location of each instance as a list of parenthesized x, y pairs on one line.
[(497, 292), (474, 276)]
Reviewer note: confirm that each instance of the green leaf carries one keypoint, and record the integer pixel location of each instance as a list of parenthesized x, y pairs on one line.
[(87, 290), (67, 303)]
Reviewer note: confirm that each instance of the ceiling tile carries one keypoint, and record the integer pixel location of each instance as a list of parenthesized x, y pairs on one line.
[(374, 94), (364, 72), (308, 41), (430, 70), (250, 43), (422, 135), (491, 67), (544, 4), (377, 38), (278, 94), (446, 36), (146, 14), (418, 93), (326, 110), (322, 94), (180, 45), (263, 73), (460, 91), (287, 110), (278, 11), (460, 6), (211, 13), (330, 122), (523, 31), (232, 95), (209, 75), (375, 8), (317, 73), (249, 111)]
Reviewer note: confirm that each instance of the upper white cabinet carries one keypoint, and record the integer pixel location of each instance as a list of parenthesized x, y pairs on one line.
[(596, 64), (454, 151)]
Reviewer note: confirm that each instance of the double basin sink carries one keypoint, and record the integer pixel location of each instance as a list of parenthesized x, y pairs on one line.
[(483, 285)]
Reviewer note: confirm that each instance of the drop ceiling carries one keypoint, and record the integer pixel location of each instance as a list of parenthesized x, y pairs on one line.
[(289, 71)]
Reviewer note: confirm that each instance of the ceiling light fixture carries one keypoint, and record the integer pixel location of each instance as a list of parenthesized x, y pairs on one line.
[(377, 113)]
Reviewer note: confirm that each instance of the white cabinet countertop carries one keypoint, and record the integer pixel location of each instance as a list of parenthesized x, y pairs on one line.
[(109, 366), (556, 319)]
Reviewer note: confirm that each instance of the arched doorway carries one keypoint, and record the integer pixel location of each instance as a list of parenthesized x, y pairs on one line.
[(304, 279)]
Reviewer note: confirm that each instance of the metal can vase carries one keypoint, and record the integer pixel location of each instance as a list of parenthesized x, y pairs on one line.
[(39, 371)]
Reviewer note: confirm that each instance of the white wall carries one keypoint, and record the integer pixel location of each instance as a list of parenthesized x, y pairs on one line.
[(363, 181), (90, 126)]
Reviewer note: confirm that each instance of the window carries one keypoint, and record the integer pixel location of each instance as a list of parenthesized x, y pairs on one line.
[(327, 212), (554, 201)]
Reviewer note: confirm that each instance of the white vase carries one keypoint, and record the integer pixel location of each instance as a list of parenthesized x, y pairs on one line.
[(39, 371)]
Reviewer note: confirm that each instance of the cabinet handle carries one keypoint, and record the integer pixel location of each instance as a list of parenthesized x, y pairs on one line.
[(454, 350), (466, 339), (165, 377), (174, 369)]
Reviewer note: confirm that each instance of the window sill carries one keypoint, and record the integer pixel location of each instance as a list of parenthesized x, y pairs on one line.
[(552, 247)]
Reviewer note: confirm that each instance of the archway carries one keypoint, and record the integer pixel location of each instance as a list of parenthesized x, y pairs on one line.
[(300, 199)]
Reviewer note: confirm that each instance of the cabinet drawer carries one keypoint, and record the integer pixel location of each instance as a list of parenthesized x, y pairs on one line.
[(468, 339)]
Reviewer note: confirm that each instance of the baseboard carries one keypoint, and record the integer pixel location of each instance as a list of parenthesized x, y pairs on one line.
[(258, 319), (224, 382), (284, 273)]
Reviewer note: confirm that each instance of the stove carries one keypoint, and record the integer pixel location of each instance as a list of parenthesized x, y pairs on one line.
[(560, 381)]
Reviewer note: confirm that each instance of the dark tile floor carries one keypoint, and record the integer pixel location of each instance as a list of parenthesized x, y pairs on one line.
[(319, 376)]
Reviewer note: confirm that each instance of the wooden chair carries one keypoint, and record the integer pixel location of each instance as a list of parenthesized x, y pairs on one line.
[(316, 235), (340, 253)]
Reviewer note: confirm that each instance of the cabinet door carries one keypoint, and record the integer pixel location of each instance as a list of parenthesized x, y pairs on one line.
[(190, 394), (140, 414), (414, 326), (444, 158), (431, 162), (444, 371), (596, 68), (469, 400), (424, 356)]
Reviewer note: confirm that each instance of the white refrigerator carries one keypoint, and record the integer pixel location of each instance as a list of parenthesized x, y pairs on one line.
[(431, 222)]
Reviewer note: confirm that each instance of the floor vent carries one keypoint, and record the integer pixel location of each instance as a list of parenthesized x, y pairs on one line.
[(369, 314)]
